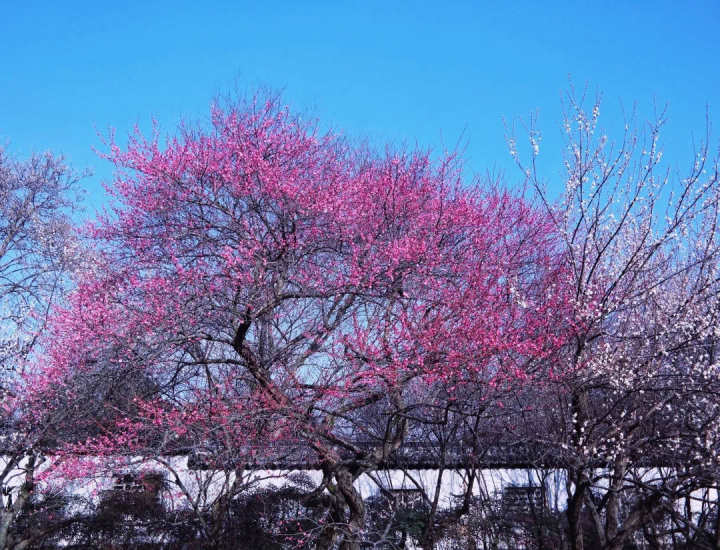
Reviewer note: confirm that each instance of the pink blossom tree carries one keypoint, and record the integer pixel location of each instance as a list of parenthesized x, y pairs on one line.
[(262, 287)]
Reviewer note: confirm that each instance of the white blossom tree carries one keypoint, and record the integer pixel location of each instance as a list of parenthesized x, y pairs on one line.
[(37, 251), (638, 386)]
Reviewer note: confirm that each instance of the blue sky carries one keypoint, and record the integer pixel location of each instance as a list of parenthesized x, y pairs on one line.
[(430, 73)]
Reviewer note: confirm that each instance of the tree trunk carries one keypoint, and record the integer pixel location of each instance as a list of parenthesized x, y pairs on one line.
[(13, 509), (6, 519), (612, 516), (574, 513), (579, 408), (355, 505), (328, 535), (576, 501)]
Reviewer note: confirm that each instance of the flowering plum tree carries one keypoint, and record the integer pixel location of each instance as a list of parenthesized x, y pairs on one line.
[(264, 286), (639, 381), (37, 251)]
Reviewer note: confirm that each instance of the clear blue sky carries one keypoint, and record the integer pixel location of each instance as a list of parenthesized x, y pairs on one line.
[(427, 73)]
